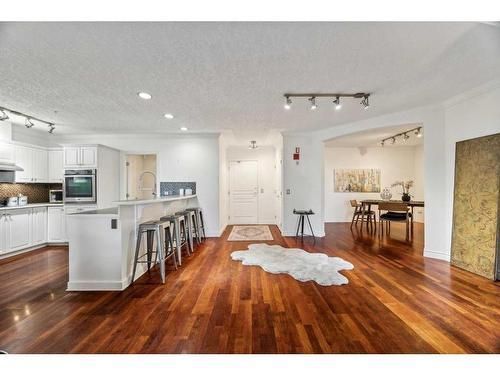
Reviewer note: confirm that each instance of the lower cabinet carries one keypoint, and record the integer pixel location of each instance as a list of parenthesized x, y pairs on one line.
[(28, 227), (56, 225)]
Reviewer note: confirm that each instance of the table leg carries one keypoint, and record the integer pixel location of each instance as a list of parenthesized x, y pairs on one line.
[(411, 221)]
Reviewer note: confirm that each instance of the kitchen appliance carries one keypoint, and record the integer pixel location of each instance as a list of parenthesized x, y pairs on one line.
[(80, 186), (11, 201), (8, 167), (22, 200), (188, 191), (55, 196)]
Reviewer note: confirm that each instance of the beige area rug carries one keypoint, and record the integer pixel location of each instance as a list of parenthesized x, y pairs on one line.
[(250, 233)]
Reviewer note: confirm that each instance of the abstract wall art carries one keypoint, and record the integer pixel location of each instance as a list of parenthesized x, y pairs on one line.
[(356, 180)]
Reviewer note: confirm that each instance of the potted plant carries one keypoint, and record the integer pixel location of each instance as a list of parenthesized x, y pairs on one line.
[(405, 185)]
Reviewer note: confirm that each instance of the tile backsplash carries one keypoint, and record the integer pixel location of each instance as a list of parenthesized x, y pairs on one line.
[(172, 188), (36, 193)]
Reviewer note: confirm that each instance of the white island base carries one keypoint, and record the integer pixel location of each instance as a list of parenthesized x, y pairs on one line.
[(102, 242)]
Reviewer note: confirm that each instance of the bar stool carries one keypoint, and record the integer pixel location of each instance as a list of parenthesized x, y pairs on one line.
[(195, 224), (153, 229), (180, 234), (199, 222), (188, 220)]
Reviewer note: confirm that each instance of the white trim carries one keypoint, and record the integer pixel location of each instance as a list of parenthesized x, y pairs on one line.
[(437, 255), (22, 251), (74, 286), (292, 234)]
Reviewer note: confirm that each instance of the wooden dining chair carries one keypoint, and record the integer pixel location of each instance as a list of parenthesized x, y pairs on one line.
[(369, 216), (395, 211)]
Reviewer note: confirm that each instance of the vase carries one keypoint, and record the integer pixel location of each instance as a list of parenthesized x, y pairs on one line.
[(386, 194), (406, 197)]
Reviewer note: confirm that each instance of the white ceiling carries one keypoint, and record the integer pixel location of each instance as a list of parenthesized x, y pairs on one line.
[(372, 138), (220, 76)]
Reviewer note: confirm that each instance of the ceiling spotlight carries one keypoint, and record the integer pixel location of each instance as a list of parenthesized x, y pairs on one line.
[(253, 145), (288, 103), (405, 137), (418, 133), (365, 102), (144, 95), (393, 140), (313, 103), (51, 128), (337, 103), (168, 116), (184, 129), (3, 115), (28, 123)]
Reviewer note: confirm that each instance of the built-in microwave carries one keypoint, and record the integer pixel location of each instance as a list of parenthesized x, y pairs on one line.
[(80, 185)]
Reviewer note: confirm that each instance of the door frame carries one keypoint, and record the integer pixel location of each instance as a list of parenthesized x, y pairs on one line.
[(124, 171), (228, 197)]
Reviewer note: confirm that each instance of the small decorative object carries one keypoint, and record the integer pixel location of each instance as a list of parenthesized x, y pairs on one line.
[(405, 185), (386, 194)]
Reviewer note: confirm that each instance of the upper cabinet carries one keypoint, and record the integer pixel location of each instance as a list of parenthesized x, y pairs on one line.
[(56, 166), (80, 157), (34, 161)]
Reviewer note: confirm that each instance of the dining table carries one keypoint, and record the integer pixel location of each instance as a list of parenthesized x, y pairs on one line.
[(366, 205)]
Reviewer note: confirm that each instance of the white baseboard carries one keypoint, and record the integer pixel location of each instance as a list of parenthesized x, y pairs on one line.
[(22, 251), (437, 255), (86, 286), (292, 234)]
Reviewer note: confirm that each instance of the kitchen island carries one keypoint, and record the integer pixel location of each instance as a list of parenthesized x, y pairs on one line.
[(102, 242)]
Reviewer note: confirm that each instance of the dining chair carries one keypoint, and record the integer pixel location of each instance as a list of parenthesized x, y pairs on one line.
[(360, 212), (395, 211)]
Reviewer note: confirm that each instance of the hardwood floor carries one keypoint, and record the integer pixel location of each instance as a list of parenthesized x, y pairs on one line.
[(396, 302)]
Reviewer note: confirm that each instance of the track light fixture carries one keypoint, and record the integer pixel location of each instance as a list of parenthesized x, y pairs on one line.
[(28, 120), (313, 103), (337, 103), (28, 123), (253, 145), (312, 97), (365, 102), (3, 115), (404, 135), (288, 103)]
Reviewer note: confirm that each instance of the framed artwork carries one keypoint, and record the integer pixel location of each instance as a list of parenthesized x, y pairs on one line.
[(356, 181)]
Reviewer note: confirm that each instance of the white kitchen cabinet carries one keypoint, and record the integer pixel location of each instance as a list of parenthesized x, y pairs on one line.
[(56, 166), (3, 234), (56, 224), (34, 161), (40, 165), (39, 225), (18, 229), (24, 158), (80, 157)]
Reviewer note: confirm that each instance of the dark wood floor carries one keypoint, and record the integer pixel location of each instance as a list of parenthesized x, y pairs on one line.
[(396, 302)]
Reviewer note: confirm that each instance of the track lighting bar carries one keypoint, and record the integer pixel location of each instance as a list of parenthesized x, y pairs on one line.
[(28, 122), (336, 96), (404, 135)]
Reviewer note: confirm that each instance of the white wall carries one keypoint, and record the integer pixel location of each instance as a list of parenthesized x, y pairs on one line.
[(266, 158), (395, 164), (475, 114), (180, 158)]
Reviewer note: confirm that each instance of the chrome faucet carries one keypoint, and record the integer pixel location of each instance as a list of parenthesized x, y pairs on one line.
[(154, 186)]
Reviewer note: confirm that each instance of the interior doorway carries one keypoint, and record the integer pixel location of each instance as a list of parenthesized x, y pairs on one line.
[(243, 192), (140, 176)]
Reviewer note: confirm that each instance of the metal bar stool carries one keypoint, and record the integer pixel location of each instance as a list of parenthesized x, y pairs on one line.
[(188, 227), (201, 224), (180, 236), (153, 229), (196, 225)]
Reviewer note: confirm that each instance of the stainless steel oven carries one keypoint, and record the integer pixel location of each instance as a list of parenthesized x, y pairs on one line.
[(80, 185)]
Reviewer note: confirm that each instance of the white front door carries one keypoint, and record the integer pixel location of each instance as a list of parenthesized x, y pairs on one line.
[(243, 192)]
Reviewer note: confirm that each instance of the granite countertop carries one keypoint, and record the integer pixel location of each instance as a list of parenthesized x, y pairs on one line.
[(166, 198), (31, 205)]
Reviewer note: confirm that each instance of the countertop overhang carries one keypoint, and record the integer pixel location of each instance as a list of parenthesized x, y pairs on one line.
[(167, 198)]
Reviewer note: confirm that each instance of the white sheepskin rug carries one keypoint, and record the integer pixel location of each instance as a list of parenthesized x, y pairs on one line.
[(299, 264)]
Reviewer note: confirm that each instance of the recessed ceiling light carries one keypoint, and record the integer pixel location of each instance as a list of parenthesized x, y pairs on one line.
[(144, 95), (184, 129), (168, 116)]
